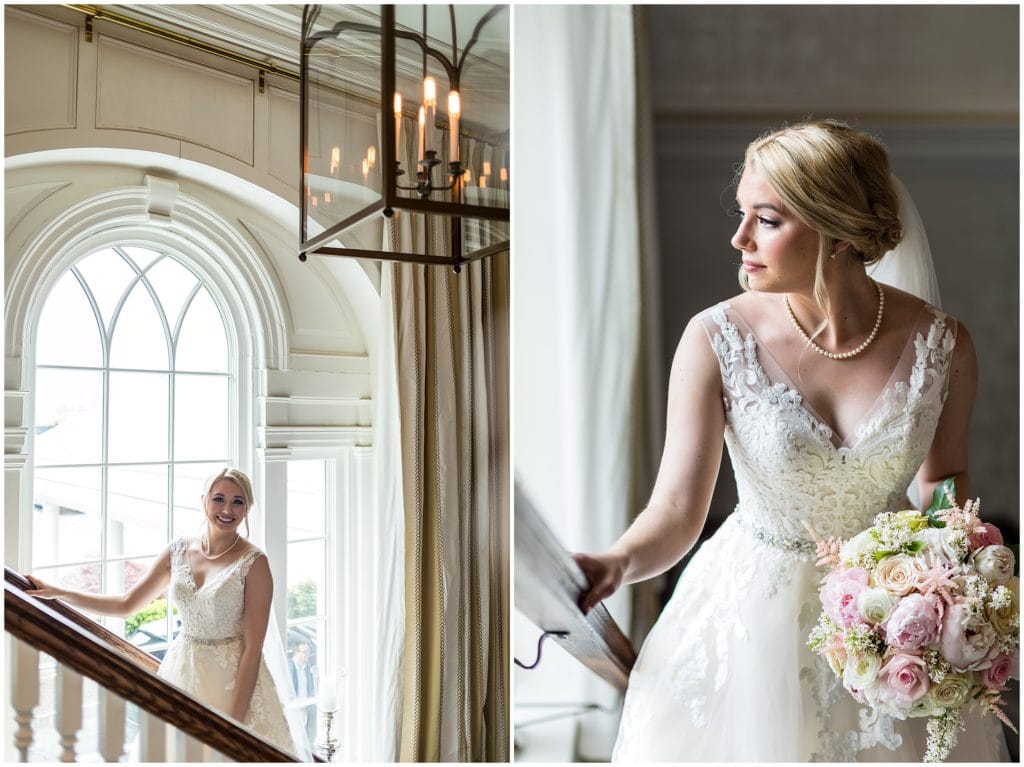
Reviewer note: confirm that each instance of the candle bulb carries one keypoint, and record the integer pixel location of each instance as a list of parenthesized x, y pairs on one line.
[(454, 112), (423, 122), (429, 105), (371, 156), (335, 158), (366, 170), (487, 168), (328, 694), (503, 174), (398, 126)]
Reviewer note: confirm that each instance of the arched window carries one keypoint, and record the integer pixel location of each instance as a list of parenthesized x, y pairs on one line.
[(135, 391)]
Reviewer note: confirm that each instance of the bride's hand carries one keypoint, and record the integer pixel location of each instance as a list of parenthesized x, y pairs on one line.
[(42, 589), (604, 572)]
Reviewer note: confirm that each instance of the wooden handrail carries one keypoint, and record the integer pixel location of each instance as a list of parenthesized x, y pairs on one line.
[(43, 625), (101, 632), (548, 587)]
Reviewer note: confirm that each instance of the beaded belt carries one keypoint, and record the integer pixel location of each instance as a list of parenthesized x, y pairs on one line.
[(210, 640), (792, 545)]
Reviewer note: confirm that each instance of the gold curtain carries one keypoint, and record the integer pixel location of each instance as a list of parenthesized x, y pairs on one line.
[(452, 363)]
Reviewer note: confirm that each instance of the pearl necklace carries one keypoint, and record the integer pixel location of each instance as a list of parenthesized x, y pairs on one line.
[(841, 355), (202, 548)]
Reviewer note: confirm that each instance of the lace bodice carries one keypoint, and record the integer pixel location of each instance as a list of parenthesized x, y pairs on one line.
[(214, 611), (789, 466)]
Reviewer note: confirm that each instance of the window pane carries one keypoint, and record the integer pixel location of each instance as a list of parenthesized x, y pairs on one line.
[(78, 577), (138, 340), (66, 516), (200, 418), (142, 257), (68, 332), (306, 579), (313, 634), (307, 499), (138, 417), (69, 416), (202, 345), (189, 480), (108, 277), (136, 510), (173, 284)]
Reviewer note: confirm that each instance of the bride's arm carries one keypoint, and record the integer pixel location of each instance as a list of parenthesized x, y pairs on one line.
[(148, 588), (259, 589), (948, 454), (671, 523)]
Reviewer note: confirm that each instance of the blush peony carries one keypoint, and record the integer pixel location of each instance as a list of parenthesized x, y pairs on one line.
[(913, 623)]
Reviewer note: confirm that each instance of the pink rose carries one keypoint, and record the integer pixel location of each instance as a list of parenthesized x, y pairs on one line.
[(913, 623), (839, 594), (966, 639), (995, 676), (985, 534), (903, 681)]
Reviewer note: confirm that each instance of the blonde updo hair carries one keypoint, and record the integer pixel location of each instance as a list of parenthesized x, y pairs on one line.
[(237, 476), (836, 180)]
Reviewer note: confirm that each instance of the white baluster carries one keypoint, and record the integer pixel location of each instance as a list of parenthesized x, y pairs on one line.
[(112, 725), (24, 692), (69, 710), (153, 737), (191, 750)]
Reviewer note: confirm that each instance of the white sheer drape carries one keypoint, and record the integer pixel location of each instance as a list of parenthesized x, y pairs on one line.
[(576, 297)]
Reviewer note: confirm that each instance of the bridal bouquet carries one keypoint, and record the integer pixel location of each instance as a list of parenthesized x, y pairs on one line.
[(921, 616)]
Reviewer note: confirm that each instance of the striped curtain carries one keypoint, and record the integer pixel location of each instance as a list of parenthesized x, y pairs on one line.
[(451, 338)]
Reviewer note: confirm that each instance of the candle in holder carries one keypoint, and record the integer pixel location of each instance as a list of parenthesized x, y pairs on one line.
[(454, 112), (328, 694), (423, 120), (398, 126), (430, 106)]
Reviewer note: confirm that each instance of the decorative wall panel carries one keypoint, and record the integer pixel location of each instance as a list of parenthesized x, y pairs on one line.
[(140, 90)]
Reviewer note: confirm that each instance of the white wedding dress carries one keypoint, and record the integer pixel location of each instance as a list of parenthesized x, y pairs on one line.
[(203, 659), (725, 674)]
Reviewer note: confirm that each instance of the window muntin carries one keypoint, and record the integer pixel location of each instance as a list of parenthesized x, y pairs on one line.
[(133, 396)]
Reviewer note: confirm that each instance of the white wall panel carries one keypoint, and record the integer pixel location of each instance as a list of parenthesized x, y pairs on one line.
[(41, 95), (141, 90), (283, 128)]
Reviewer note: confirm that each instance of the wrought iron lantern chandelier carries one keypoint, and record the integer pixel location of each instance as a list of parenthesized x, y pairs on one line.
[(404, 122)]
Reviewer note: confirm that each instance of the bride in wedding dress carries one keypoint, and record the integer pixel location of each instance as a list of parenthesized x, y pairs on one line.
[(222, 586), (833, 393)]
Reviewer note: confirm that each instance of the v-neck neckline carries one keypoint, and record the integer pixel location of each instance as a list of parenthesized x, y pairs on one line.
[(209, 578), (851, 440)]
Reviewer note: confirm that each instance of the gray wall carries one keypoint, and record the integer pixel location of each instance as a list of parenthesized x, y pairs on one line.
[(938, 84)]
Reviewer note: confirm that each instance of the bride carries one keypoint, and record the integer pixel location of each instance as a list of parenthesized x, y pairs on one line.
[(833, 392), (222, 586)]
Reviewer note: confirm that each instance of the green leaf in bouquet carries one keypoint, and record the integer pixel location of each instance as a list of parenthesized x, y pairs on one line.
[(916, 546), (943, 497)]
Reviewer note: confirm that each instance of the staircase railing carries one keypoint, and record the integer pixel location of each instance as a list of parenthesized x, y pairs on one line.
[(124, 673)]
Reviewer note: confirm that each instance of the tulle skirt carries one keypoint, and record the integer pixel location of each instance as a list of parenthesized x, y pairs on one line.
[(207, 671), (725, 674)]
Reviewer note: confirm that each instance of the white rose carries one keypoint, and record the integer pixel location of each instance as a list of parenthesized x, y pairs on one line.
[(897, 574), (862, 543), (861, 673), (937, 545), (875, 605), (994, 562), (1005, 619)]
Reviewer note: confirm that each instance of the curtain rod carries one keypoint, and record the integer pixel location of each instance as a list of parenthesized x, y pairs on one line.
[(96, 12)]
